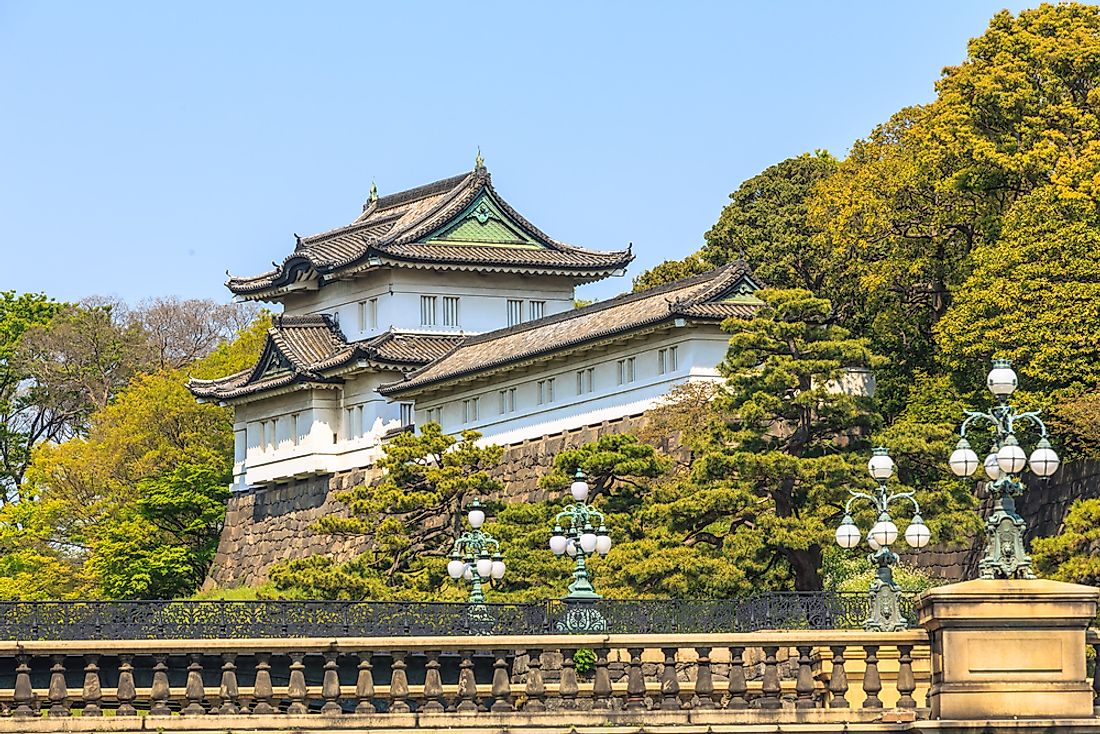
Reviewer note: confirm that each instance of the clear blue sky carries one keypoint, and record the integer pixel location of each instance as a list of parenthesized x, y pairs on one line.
[(147, 147)]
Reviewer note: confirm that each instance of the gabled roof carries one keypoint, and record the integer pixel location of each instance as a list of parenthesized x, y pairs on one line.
[(304, 349), (709, 297), (456, 223)]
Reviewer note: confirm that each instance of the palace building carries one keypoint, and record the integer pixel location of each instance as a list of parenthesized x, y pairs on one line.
[(442, 303)]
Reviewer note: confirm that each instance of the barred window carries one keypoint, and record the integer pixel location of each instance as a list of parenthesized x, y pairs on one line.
[(585, 380), (515, 312), (450, 310), (624, 371), (470, 410), (407, 414), (427, 310), (508, 400), (535, 309)]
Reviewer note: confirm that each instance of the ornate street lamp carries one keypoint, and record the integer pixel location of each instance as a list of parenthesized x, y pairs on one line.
[(579, 531), (476, 556), (884, 593), (1005, 555)]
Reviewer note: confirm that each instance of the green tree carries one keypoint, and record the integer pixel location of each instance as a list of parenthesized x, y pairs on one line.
[(670, 270), (1074, 554)]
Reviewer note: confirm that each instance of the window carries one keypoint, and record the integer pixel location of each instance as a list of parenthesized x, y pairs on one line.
[(450, 310), (625, 370), (354, 422), (666, 360), (294, 428), (515, 312), (263, 435), (584, 380), (470, 410), (434, 415), (508, 400), (546, 391), (427, 310), (407, 414), (535, 309), (362, 316), (372, 313)]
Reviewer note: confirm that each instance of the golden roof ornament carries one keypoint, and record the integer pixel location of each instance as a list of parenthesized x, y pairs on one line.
[(479, 162), (373, 197)]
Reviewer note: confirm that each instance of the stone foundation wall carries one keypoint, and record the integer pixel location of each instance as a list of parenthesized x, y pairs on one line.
[(273, 524)]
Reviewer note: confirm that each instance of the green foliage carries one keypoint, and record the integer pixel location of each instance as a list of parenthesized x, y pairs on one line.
[(613, 460), (671, 270), (851, 571), (584, 661), (1074, 554)]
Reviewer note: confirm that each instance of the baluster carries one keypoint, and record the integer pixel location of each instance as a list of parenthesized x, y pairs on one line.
[(635, 681), (872, 683), (364, 685), (228, 693), (536, 688), (92, 693), (330, 685), (601, 682), (23, 696), (125, 692), (467, 684), (296, 686), (160, 692), (195, 692), (502, 683), (738, 687), (838, 679), (906, 682), (769, 686), (704, 680), (262, 692), (567, 685), (399, 684), (1096, 681), (670, 686), (433, 685), (59, 690), (804, 685)]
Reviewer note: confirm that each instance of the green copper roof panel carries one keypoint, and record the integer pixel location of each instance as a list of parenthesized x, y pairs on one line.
[(482, 223)]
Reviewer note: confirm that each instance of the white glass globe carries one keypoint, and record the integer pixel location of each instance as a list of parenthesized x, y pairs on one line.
[(468, 574), (847, 535), (963, 461), (588, 541), (484, 566), (476, 518), (1011, 458), (1043, 461), (579, 490), (885, 532), (1002, 379), (571, 548), (917, 534), (498, 569), (992, 468), (872, 542), (881, 466), (603, 544), (557, 544), (455, 569)]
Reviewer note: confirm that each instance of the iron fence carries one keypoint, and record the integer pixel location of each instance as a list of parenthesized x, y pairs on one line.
[(98, 620)]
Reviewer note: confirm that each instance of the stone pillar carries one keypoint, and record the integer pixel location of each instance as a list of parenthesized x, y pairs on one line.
[(1008, 648)]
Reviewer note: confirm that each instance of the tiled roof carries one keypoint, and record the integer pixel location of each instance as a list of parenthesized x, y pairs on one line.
[(301, 349), (701, 297), (393, 229)]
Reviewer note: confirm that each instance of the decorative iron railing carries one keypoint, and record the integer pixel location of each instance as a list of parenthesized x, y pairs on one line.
[(134, 620)]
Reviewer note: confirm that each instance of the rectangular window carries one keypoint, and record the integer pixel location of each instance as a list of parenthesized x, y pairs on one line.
[(294, 428), (661, 354), (434, 415), (450, 310), (535, 309), (372, 313), (624, 370), (585, 380), (546, 391), (673, 362), (349, 423), (406, 414), (508, 400), (427, 310), (362, 316), (470, 410), (263, 435), (515, 312)]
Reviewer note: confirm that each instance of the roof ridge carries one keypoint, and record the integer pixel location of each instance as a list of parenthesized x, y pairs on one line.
[(420, 192)]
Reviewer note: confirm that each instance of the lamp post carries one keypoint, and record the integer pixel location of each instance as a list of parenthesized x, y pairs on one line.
[(579, 531), (1005, 555), (476, 556), (884, 593)]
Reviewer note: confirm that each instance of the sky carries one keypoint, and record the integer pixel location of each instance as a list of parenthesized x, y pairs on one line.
[(147, 148)]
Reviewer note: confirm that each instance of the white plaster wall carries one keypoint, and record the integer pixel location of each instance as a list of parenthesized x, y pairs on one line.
[(699, 350), (482, 305)]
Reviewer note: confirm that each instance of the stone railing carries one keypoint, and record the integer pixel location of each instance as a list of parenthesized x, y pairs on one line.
[(792, 676)]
